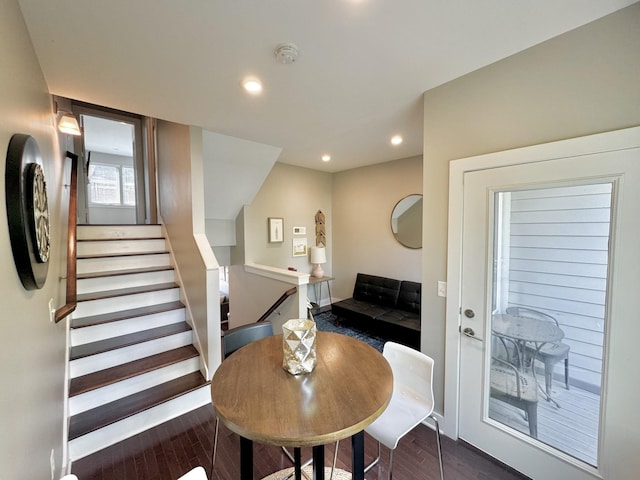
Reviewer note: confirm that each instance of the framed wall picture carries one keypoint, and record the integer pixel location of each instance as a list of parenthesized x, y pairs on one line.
[(300, 247), (276, 230), (299, 230)]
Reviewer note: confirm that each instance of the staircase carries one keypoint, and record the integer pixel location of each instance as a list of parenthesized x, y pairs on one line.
[(132, 364)]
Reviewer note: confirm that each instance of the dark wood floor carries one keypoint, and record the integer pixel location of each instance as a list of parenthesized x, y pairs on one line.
[(168, 451)]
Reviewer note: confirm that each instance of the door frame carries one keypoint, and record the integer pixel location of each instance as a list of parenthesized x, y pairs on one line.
[(598, 143), (143, 157)]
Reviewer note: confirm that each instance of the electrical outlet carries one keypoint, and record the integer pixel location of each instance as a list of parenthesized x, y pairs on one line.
[(52, 461), (442, 288), (52, 311)]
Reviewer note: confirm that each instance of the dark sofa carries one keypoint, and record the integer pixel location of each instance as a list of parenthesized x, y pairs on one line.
[(385, 307)]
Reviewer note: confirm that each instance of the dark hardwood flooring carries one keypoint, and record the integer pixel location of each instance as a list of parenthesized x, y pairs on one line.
[(170, 450)]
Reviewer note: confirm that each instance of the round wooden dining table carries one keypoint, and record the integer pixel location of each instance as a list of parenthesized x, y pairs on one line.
[(255, 397)]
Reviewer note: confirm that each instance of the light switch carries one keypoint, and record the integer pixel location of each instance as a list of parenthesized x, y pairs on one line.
[(442, 288)]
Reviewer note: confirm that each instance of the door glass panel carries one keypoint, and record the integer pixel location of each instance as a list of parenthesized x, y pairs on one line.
[(112, 185), (548, 304)]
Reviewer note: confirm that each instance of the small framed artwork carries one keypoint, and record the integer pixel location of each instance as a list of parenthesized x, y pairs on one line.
[(276, 230), (299, 230), (299, 247)]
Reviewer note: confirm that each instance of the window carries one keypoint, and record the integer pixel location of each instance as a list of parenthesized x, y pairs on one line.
[(111, 185)]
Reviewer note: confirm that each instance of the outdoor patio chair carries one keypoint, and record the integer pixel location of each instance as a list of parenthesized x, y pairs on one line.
[(550, 353), (515, 387)]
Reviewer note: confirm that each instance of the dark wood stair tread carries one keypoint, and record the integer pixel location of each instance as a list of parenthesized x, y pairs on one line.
[(120, 254), (128, 271), (85, 297), (112, 412), (125, 314), (112, 375), (87, 349)]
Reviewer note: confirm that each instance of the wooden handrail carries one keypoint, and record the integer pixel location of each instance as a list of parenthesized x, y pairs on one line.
[(72, 290), (279, 302)]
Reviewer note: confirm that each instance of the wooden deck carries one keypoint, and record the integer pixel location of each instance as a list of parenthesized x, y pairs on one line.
[(572, 428)]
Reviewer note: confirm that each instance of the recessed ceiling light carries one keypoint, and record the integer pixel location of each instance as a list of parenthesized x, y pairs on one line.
[(326, 158), (252, 85), (396, 140)]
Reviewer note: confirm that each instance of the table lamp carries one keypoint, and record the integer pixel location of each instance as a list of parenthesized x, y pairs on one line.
[(318, 257)]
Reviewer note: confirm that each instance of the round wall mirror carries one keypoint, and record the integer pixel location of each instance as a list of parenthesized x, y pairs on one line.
[(406, 221)]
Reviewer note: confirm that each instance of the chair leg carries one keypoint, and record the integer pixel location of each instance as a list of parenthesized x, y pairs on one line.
[(532, 411), (335, 458), (548, 375), (439, 446), (566, 372), (373, 464), (390, 464), (215, 446)]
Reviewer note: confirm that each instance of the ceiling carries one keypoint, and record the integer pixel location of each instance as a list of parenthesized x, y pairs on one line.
[(358, 79)]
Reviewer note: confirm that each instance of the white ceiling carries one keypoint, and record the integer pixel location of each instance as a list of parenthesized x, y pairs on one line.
[(359, 78), (107, 136)]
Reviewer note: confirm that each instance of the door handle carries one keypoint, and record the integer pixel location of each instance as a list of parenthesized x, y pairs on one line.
[(471, 334)]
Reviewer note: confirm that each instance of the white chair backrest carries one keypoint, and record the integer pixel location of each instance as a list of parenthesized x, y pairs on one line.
[(197, 473), (412, 370)]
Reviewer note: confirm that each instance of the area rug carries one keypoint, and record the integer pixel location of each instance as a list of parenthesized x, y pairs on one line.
[(338, 474), (327, 322)]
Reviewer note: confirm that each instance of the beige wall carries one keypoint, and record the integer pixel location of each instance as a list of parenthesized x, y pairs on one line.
[(363, 199), (583, 82), (295, 194), (181, 206), (32, 358)]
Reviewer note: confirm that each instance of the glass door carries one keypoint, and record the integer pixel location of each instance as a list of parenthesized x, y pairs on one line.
[(548, 313), (546, 307)]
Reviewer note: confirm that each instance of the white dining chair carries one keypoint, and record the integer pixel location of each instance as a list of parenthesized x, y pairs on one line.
[(411, 401), (197, 473)]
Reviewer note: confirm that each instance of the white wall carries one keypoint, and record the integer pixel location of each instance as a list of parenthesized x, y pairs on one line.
[(582, 82), (32, 358)]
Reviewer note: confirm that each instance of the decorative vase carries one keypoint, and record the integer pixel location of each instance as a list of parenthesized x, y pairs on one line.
[(299, 346)]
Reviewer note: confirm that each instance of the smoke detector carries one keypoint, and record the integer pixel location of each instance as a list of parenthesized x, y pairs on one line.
[(286, 53)]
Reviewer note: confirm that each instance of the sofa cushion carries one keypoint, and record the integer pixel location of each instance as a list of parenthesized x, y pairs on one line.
[(401, 318), (376, 290), (351, 306), (410, 296)]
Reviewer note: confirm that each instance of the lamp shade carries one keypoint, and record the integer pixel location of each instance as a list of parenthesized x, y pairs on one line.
[(68, 124), (318, 255)]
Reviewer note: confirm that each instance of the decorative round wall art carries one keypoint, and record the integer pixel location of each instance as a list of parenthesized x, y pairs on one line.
[(27, 210)]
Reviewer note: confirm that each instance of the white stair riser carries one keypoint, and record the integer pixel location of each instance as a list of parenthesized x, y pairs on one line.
[(95, 333), (94, 363), (92, 232), (124, 388), (109, 264), (114, 433), (126, 302), (120, 246), (101, 284)]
